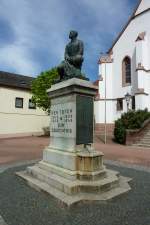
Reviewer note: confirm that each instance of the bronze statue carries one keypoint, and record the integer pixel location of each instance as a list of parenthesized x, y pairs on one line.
[(71, 66)]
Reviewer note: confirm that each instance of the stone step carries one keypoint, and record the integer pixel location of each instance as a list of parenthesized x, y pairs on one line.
[(68, 200), (73, 175), (141, 145), (148, 131), (74, 187), (145, 138), (144, 142), (146, 135)]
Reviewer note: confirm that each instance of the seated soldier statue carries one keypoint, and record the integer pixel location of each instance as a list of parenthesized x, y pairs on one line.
[(71, 66)]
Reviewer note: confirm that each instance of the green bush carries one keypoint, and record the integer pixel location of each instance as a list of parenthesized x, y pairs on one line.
[(119, 132), (131, 120)]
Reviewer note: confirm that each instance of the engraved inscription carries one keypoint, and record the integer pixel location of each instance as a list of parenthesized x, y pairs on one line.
[(62, 118)]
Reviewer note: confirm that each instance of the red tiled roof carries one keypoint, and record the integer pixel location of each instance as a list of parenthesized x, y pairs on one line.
[(96, 82), (105, 59)]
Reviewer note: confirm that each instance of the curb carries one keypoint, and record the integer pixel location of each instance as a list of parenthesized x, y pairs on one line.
[(18, 164), (129, 166)]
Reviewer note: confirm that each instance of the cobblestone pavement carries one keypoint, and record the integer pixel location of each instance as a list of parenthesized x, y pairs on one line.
[(31, 148), (22, 205), (2, 222)]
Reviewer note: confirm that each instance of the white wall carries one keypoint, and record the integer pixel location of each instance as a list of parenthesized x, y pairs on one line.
[(139, 53), (127, 46), (99, 110), (17, 121), (106, 70)]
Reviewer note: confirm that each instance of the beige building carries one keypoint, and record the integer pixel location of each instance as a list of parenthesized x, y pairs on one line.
[(18, 115)]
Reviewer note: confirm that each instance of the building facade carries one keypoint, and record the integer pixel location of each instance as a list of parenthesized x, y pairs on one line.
[(18, 115), (125, 69)]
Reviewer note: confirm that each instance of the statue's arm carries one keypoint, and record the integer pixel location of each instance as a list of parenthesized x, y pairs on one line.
[(81, 48), (66, 56)]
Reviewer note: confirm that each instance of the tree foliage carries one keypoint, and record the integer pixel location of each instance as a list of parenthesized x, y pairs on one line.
[(40, 86)]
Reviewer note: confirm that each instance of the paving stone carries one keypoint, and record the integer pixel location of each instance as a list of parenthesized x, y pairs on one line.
[(22, 205), (130, 166), (2, 222)]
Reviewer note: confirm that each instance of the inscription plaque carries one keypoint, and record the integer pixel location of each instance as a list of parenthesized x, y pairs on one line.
[(84, 120)]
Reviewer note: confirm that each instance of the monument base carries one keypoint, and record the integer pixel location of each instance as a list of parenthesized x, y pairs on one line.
[(71, 170), (90, 181)]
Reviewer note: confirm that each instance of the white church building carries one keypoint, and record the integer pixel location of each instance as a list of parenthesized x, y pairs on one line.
[(125, 70)]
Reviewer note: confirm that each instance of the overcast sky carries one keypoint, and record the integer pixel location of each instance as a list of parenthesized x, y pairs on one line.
[(33, 33)]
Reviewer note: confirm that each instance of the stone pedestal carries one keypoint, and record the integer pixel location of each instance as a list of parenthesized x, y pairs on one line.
[(71, 169)]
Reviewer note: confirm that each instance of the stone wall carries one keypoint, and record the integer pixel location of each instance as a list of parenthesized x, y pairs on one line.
[(100, 129)]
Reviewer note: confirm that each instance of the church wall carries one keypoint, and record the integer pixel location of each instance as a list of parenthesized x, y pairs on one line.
[(126, 46), (143, 6), (108, 73), (99, 104), (99, 109)]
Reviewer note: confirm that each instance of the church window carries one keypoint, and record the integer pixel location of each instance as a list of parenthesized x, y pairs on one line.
[(126, 71), (133, 102), (119, 104)]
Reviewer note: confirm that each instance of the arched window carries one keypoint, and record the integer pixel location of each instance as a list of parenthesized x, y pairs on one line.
[(126, 71)]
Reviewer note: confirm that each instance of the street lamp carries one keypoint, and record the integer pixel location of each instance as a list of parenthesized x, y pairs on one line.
[(128, 98)]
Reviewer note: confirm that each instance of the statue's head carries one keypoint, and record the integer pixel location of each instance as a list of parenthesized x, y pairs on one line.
[(73, 34)]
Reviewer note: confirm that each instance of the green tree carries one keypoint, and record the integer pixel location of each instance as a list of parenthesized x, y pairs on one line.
[(40, 86)]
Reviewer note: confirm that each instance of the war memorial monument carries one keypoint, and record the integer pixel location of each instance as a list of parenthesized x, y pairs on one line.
[(71, 169)]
